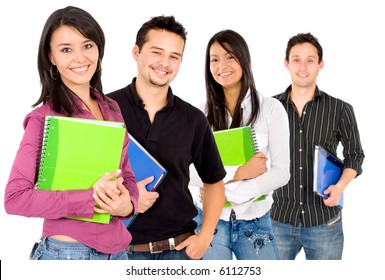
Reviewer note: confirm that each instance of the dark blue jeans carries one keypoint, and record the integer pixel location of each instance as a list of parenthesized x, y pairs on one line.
[(165, 255)]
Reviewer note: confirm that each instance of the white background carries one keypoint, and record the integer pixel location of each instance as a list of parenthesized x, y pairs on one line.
[(351, 33)]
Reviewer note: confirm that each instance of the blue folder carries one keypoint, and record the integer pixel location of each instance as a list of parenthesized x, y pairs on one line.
[(143, 165), (327, 171)]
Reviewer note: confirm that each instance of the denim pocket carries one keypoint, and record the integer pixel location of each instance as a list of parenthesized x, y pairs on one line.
[(36, 251), (188, 257), (335, 220)]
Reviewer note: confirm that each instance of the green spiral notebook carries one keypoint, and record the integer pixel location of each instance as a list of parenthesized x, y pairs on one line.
[(236, 145), (77, 152)]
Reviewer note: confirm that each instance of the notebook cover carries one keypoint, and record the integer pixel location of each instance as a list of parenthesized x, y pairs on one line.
[(77, 152), (236, 145)]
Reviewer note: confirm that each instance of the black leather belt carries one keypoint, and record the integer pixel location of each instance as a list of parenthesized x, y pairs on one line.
[(160, 246)]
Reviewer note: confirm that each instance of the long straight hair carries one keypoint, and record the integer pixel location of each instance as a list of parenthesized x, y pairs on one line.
[(54, 90), (216, 109)]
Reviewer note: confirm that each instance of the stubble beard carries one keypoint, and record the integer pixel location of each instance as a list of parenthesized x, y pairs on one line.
[(158, 83)]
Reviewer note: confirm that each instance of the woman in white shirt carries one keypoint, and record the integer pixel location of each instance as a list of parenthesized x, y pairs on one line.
[(244, 229)]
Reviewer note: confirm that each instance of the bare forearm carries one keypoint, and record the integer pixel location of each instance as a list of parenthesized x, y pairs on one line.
[(347, 176), (213, 199)]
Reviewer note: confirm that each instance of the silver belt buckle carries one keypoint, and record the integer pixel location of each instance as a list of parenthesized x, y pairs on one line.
[(151, 249), (171, 242)]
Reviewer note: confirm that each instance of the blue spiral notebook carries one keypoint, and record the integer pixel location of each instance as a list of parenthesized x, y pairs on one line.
[(143, 165), (327, 171)]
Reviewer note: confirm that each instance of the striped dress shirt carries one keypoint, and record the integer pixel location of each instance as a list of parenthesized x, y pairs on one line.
[(326, 121)]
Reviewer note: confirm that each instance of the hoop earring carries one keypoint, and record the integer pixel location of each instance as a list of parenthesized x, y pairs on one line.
[(99, 64), (53, 75)]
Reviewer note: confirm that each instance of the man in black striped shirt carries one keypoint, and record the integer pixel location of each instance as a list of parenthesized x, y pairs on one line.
[(302, 219)]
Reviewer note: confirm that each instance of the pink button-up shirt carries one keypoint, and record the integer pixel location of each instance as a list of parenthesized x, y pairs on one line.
[(21, 197)]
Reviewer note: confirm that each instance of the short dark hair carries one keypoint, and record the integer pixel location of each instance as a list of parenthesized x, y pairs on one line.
[(301, 38), (167, 23)]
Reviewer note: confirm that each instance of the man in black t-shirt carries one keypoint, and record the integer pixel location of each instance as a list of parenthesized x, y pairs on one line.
[(177, 135)]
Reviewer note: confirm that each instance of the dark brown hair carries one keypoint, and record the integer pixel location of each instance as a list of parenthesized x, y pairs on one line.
[(235, 45), (61, 97)]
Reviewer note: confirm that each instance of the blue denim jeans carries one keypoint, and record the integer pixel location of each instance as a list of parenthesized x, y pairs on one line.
[(245, 239), (51, 249), (324, 242), (165, 255)]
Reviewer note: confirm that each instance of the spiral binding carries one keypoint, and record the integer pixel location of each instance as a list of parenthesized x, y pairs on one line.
[(43, 151), (254, 138)]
